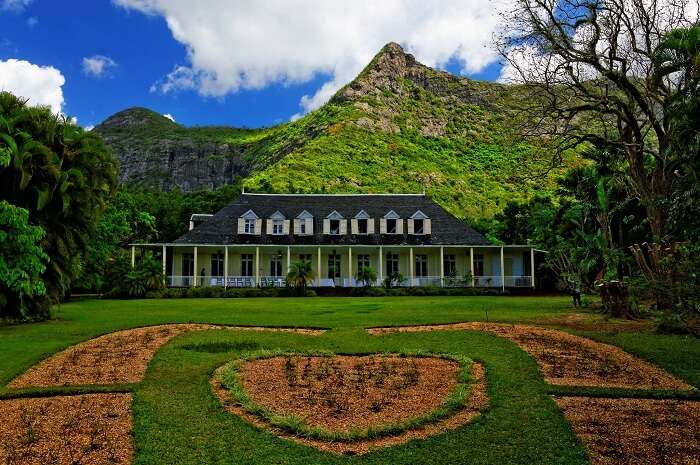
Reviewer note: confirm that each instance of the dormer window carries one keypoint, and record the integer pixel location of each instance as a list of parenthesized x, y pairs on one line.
[(335, 225), (304, 224), (248, 226), (391, 223), (249, 223), (419, 224), (362, 224), (275, 225)]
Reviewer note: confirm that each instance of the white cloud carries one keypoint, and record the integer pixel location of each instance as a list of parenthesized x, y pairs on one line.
[(32, 21), (89, 127), (14, 5), (169, 116), (250, 44), (41, 85), (97, 65)]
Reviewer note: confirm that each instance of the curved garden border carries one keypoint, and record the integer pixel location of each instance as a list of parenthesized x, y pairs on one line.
[(475, 403)]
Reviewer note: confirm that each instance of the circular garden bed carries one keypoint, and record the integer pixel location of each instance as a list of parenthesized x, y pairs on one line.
[(323, 397)]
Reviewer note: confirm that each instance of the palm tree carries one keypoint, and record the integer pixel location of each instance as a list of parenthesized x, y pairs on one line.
[(394, 279), (62, 175), (300, 275), (367, 275)]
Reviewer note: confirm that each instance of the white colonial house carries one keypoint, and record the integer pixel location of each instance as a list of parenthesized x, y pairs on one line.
[(254, 240)]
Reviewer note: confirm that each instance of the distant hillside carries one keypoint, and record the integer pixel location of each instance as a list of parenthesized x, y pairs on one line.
[(399, 126)]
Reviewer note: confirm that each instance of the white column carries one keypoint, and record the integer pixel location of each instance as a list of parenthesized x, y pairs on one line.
[(289, 259), (442, 266), (165, 275), (257, 266), (532, 268), (471, 263), (225, 267), (196, 273), (379, 268), (133, 256), (503, 272), (318, 267), (349, 266), (410, 266)]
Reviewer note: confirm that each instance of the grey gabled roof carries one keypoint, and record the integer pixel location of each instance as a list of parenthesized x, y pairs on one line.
[(222, 227)]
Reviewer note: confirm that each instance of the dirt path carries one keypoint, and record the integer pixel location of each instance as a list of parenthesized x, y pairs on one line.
[(119, 357), (565, 359)]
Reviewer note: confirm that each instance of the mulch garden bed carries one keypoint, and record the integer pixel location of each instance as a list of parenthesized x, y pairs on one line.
[(635, 431), (359, 408), (91, 429), (345, 393), (119, 357), (565, 359)]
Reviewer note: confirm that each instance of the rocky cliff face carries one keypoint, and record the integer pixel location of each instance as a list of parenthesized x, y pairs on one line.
[(154, 152)]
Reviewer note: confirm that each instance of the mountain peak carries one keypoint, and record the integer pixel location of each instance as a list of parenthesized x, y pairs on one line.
[(392, 68), (386, 70), (136, 117)]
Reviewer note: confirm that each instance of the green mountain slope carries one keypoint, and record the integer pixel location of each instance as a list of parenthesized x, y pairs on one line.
[(398, 127)]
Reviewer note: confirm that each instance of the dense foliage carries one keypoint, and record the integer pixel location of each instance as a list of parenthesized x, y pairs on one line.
[(22, 262), (62, 176)]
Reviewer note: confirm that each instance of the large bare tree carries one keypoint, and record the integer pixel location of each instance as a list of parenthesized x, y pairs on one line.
[(594, 74)]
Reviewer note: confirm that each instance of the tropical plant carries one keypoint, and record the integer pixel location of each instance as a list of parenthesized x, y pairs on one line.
[(22, 292), (300, 275), (134, 285), (62, 175), (127, 281), (393, 279), (367, 276)]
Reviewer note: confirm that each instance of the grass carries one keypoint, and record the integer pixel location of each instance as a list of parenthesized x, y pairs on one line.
[(177, 418)]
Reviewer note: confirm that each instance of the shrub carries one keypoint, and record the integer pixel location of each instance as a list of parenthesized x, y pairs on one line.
[(125, 281)]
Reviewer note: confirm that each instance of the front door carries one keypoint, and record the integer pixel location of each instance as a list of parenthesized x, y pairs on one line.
[(334, 267), (187, 269)]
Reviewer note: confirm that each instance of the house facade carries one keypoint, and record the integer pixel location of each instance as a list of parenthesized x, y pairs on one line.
[(255, 239)]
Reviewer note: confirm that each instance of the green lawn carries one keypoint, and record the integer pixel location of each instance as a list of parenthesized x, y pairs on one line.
[(178, 420)]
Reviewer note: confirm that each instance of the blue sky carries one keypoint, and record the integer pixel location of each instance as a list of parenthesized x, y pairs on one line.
[(141, 42)]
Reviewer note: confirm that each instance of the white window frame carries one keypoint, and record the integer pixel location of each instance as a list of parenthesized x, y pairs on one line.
[(248, 226), (363, 261), (393, 259), (277, 227), (421, 265), (276, 265)]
